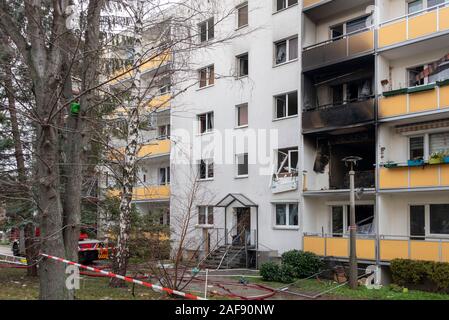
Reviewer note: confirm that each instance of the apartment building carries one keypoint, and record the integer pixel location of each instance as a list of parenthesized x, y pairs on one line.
[(375, 86)]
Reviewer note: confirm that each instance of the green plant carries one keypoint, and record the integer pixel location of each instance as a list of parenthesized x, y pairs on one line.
[(439, 274), (269, 271), (304, 264), (405, 272), (436, 157), (286, 274)]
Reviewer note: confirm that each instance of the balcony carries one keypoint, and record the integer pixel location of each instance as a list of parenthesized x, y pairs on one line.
[(346, 47), (285, 183), (388, 247), (406, 177), (331, 117), (414, 26), (323, 9), (414, 100), (160, 103), (146, 193)]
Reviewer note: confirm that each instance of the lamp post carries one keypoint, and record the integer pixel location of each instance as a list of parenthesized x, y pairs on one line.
[(351, 162)]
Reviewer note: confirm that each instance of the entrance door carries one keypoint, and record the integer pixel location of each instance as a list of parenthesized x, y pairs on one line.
[(243, 226)]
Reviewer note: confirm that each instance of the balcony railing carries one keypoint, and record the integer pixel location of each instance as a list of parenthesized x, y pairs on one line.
[(405, 177), (414, 26), (146, 193), (337, 49), (413, 100), (339, 116), (382, 248)]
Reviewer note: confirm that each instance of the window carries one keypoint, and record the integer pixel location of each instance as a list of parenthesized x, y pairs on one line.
[(364, 219), (287, 160), (337, 31), (356, 24), (242, 165), (206, 29), (432, 3), (286, 50), (439, 219), (416, 147), (205, 215), (207, 76), (417, 222), (242, 15), (164, 131), (351, 26), (164, 176), (206, 122), (429, 220), (413, 74), (287, 214), (242, 115), (337, 221), (286, 105), (242, 65), (206, 169), (283, 4), (438, 142), (414, 6)]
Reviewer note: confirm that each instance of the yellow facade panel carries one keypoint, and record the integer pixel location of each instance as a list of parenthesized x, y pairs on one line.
[(445, 252), (366, 249), (423, 101), (427, 176), (444, 172), (314, 244), (151, 193), (393, 249), (422, 25), (393, 106), (424, 250), (161, 147), (361, 42), (444, 96), (392, 33), (308, 3), (161, 102), (337, 247), (394, 178), (444, 19)]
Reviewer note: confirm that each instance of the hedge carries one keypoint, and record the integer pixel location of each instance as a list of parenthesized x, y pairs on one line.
[(411, 272)]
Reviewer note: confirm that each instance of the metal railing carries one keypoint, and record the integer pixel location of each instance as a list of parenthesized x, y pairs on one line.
[(343, 36)]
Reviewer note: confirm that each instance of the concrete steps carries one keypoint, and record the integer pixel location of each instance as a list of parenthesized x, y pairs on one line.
[(234, 258)]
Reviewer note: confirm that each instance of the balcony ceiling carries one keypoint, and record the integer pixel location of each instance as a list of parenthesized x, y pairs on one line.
[(334, 7)]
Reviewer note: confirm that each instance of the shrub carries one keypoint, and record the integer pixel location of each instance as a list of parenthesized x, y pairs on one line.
[(405, 272), (439, 274), (304, 264), (269, 271), (286, 274)]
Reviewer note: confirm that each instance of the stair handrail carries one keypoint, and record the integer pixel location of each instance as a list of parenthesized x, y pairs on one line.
[(227, 251)]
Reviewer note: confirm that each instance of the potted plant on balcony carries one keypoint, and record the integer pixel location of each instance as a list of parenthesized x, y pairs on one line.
[(446, 156), (415, 162), (436, 158)]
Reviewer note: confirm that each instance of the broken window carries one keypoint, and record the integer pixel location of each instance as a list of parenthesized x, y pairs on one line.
[(287, 161), (205, 215), (322, 156), (242, 15), (207, 76), (206, 122), (206, 169), (286, 105), (286, 50), (206, 29), (287, 214), (364, 219), (242, 65)]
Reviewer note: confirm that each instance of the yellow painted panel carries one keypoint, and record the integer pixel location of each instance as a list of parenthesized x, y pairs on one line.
[(337, 247), (444, 19), (155, 148), (393, 106), (366, 249), (445, 252), (422, 25), (393, 178), (424, 250), (151, 193), (423, 101), (427, 176), (308, 3), (444, 174), (161, 102), (393, 33), (314, 244), (361, 42), (393, 249), (444, 96)]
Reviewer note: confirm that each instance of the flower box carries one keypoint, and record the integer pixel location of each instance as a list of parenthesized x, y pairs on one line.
[(415, 163), (446, 159)]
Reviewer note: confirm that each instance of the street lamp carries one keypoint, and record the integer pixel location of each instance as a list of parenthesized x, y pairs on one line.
[(351, 162)]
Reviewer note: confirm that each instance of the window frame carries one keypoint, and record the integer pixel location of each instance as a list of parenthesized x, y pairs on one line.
[(166, 181), (287, 116), (287, 5), (207, 163), (238, 62), (426, 221), (210, 76), (346, 211), (287, 45), (207, 215), (166, 134), (207, 116), (426, 135), (238, 8), (289, 152), (287, 225), (237, 115), (208, 28), (237, 165)]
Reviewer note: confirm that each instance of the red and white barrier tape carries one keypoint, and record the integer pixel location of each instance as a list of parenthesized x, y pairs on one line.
[(127, 279)]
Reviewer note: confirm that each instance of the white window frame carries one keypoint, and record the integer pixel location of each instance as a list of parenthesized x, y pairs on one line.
[(238, 58), (167, 129), (426, 221), (289, 161), (207, 213), (237, 10), (208, 130), (237, 159), (287, 59), (208, 163), (426, 136), (287, 6), (207, 29), (167, 176), (345, 206), (275, 118), (287, 226), (237, 108), (210, 78)]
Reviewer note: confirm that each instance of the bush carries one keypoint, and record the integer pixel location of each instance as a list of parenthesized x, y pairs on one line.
[(406, 272), (304, 264), (286, 274), (269, 271)]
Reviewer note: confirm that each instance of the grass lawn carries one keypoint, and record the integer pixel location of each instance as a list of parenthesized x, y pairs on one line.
[(15, 285), (312, 287)]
